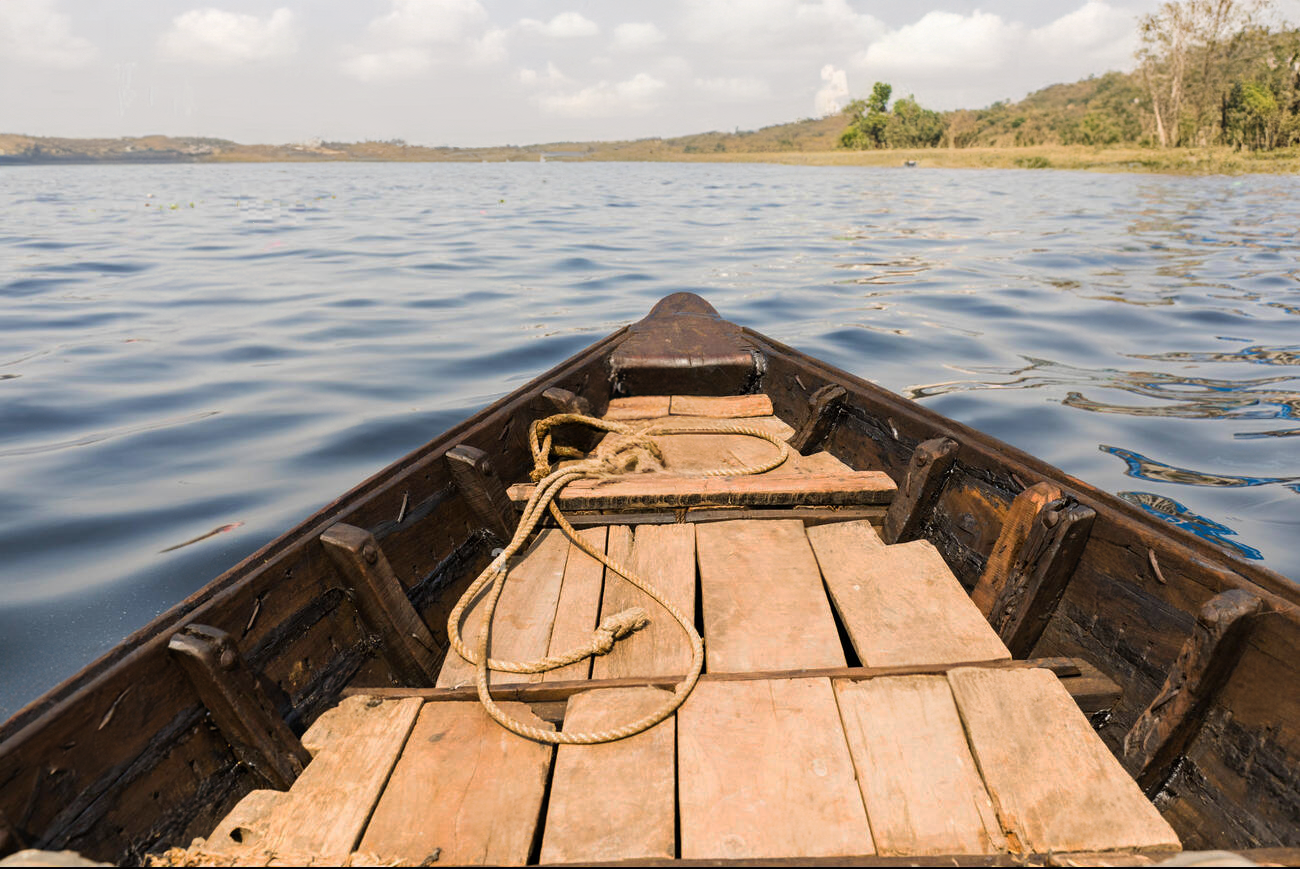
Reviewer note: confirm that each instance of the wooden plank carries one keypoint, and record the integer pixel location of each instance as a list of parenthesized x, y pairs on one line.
[(1054, 783), (408, 644), (578, 611), (900, 604), (638, 407), (762, 597), (1011, 539), (524, 617), (921, 483), (616, 800), (1069, 669), (922, 790), (466, 791), (824, 408), (807, 515), (665, 556), (237, 704), (720, 406), (641, 491), (1164, 729), (355, 748), (764, 771), (691, 453)]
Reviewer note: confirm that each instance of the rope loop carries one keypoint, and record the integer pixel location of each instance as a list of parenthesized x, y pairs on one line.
[(632, 449)]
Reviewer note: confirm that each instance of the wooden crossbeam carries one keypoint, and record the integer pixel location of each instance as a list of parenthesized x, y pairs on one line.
[(650, 491), (472, 471), (824, 407), (921, 483)]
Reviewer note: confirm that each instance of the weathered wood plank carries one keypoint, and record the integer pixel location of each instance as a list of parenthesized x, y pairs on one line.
[(642, 491), (922, 790), (638, 407), (383, 603), (1041, 571), (920, 485), (823, 409), (900, 604), (692, 453), (764, 771), (1055, 785), (665, 556), (524, 616), (1011, 540), (720, 406), (807, 515), (237, 704), (465, 791), (762, 596), (1169, 722), (616, 800), (578, 611), (355, 748), (481, 484)]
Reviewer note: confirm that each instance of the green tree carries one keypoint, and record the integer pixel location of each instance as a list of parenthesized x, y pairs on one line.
[(911, 126), (868, 119)]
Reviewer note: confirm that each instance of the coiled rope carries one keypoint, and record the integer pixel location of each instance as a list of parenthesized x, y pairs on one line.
[(631, 450)]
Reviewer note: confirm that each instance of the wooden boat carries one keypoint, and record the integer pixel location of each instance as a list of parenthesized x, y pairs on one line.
[(304, 704)]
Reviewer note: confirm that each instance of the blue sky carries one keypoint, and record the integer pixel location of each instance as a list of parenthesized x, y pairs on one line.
[(475, 72)]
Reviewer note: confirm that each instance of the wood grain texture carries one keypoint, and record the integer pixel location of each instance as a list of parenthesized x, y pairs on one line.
[(525, 614), (764, 772), (1015, 529), (667, 490), (900, 604), (616, 800), (823, 409), (638, 407), (922, 790), (465, 789), (925, 476), (721, 406), (355, 748), (692, 453), (665, 556), (762, 597), (578, 611), (1054, 783)]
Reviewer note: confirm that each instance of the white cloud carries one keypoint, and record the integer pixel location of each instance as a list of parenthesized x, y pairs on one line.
[(636, 96), (566, 25), (835, 89), (220, 38), (946, 41), (637, 36), (739, 90), (755, 24), (391, 65), (551, 78), (420, 22), (31, 31)]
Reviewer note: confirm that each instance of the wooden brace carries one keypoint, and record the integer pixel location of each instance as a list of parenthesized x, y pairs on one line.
[(477, 480), (918, 489), (824, 407)]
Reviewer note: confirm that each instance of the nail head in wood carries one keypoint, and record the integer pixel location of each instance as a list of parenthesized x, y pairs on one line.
[(824, 408), (1042, 570), (408, 644), (237, 704), (1171, 721), (477, 480), (919, 489)]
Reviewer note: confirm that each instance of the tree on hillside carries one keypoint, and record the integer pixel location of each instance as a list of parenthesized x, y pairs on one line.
[(868, 119), (1183, 59), (873, 125)]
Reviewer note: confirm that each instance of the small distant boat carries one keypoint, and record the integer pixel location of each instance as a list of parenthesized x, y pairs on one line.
[(916, 641), (909, 163)]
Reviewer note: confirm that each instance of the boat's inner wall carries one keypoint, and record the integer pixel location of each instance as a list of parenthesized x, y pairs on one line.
[(1237, 786), (123, 758)]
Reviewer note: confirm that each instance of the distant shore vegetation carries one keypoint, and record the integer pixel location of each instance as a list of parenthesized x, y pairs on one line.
[(1209, 73), (1216, 89)]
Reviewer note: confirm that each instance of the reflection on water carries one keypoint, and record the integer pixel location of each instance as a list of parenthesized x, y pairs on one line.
[(1175, 513), (234, 365)]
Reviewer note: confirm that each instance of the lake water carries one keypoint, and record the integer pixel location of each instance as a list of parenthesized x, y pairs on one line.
[(184, 348)]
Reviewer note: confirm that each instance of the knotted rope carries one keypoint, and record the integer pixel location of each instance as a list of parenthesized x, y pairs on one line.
[(630, 450)]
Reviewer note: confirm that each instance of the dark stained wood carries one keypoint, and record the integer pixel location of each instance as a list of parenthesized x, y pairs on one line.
[(1164, 729), (408, 644), (1067, 669), (921, 484), (1011, 541), (643, 491), (682, 347), (566, 402), (10, 840), (1042, 568), (238, 705), (823, 409), (476, 477), (810, 515)]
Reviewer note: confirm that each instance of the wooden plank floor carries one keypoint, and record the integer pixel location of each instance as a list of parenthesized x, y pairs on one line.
[(977, 761)]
